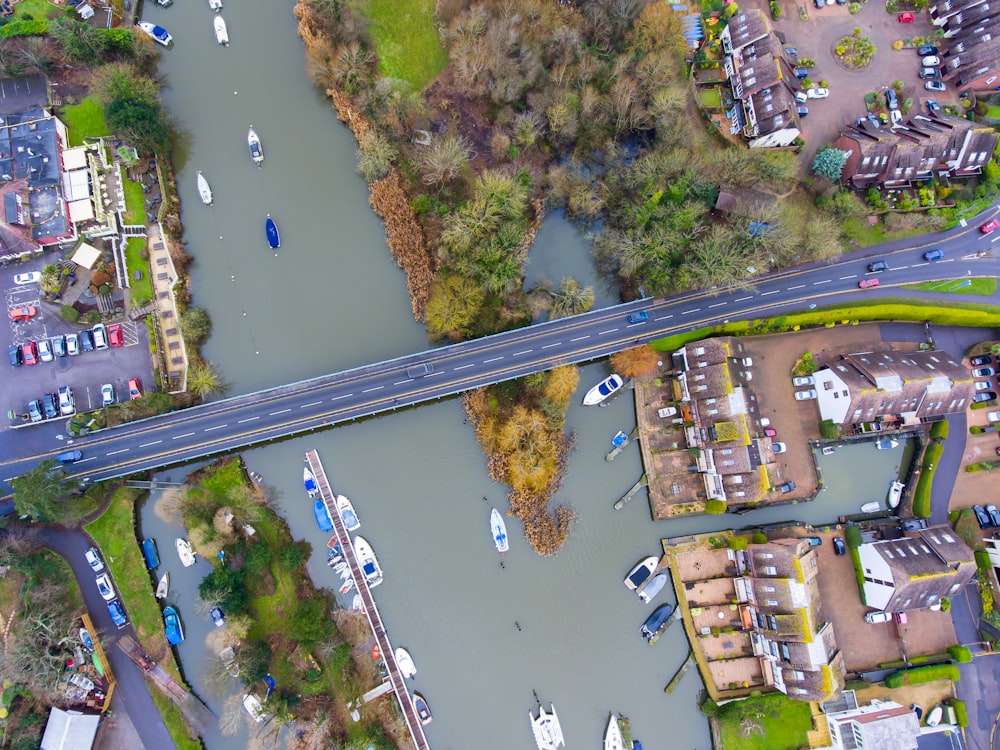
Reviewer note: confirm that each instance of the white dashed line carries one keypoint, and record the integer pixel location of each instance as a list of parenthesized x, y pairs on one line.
[(346, 395), (146, 445), (610, 330), (773, 291), (526, 351), (844, 278), (717, 304), (549, 346), (187, 434), (248, 419), (901, 268), (464, 367), (207, 429), (495, 359), (281, 411), (664, 317), (314, 403), (376, 388), (743, 299), (800, 286), (825, 281), (692, 310), (580, 338), (115, 453)]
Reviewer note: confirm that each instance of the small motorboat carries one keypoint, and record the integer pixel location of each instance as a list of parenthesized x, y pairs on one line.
[(163, 586), (613, 739), (357, 604), (619, 439), (423, 710), (310, 482), (347, 514), (339, 567), (348, 585), (271, 230), (546, 728), (221, 32), (499, 529), (656, 622), (368, 562), (376, 652), (252, 704), (603, 390), (333, 547), (218, 617), (149, 552), (322, 516), (258, 479), (638, 575), (256, 150), (652, 587), (828, 450), (405, 663), (86, 640), (204, 190), (215, 5), (345, 572), (172, 626), (895, 493), (158, 33), (871, 507), (886, 444), (184, 552), (333, 558)]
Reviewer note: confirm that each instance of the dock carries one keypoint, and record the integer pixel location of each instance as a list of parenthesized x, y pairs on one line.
[(618, 449), (675, 680), (631, 493), (370, 609)]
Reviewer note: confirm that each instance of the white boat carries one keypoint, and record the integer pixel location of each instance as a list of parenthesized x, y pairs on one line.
[(185, 552), (158, 33), (895, 493), (405, 663), (204, 190), (548, 733), (348, 585), (163, 586), (886, 444), (309, 481), (829, 450), (339, 567), (357, 604), (368, 562), (215, 5), (638, 575), (871, 507), (221, 32), (603, 390), (652, 587), (499, 529), (613, 739), (252, 704), (256, 149), (345, 573), (347, 514)]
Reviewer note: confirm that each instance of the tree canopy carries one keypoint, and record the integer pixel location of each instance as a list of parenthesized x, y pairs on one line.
[(40, 493)]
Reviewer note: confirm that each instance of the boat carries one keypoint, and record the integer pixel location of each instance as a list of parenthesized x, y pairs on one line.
[(656, 621), (886, 444), (339, 567), (185, 552), (172, 626), (221, 32), (548, 733), (215, 5), (218, 617), (347, 514), (613, 739), (271, 229), (149, 552), (934, 717), (499, 529), (86, 640), (828, 450), (405, 663), (895, 493), (638, 575), (310, 482), (163, 586), (333, 560), (158, 33), (204, 190), (322, 516), (636, 745), (871, 507), (258, 479), (652, 587), (252, 704), (368, 562), (619, 439), (348, 585), (333, 548), (423, 710), (603, 390), (256, 150), (357, 604), (376, 652)]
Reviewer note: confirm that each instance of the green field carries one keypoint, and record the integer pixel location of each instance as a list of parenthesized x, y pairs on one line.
[(406, 40), (142, 289), (36, 9), (85, 120), (711, 98), (135, 203), (771, 721), (982, 287)]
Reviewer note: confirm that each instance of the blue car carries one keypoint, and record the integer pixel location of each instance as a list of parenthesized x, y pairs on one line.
[(933, 255), (640, 316), (117, 614)]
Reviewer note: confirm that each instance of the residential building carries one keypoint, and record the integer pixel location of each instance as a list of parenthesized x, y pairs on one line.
[(892, 388), (972, 59), (885, 725), (917, 571), (70, 730)]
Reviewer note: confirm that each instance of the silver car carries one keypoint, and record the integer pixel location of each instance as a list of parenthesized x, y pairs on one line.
[(805, 395), (72, 344), (45, 350)]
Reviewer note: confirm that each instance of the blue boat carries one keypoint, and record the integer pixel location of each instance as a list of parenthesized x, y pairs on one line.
[(172, 626), (619, 439), (273, 240), (149, 552), (322, 516)]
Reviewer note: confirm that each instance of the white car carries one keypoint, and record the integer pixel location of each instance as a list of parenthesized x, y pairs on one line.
[(931, 61), (67, 404), (895, 116), (805, 395), (818, 93), (803, 380), (981, 385), (45, 350), (876, 617), (94, 559), (72, 344), (779, 448), (105, 587), (107, 394), (31, 277), (993, 416)]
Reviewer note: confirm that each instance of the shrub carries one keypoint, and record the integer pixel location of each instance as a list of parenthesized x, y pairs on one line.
[(946, 605), (738, 543), (852, 535), (715, 507), (983, 560), (775, 10), (961, 715), (69, 313), (709, 707), (919, 675), (829, 430), (939, 430), (94, 316), (24, 28), (975, 429), (759, 537), (960, 654), (854, 8)]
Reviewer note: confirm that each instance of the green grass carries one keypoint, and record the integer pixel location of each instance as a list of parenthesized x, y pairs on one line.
[(142, 290), (922, 494), (857, 228), (135, 203), (993, 113), (37, 9), (982, 287), (778, 723), (174, 721), (711, 98), (85, 120), (406, 39)]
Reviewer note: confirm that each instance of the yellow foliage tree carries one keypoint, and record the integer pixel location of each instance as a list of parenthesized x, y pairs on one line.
[(561, 385), (635, 363), (453, 305)]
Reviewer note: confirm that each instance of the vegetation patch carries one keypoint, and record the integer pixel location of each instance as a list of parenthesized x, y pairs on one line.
[(854, 51), (920, 675), (137, 259), (84, 120), (922, 494), (406, 39), (772, 720), (984, 287), (135, 203)]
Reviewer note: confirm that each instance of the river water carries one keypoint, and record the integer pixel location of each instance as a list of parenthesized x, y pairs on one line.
[(333, 299)]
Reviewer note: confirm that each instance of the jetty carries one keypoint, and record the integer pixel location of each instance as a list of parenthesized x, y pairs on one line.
[(675, 680), (395, 677), (611, 456), (631, 493)]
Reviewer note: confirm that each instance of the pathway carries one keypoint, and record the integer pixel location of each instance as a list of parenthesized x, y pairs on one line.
[(173, 355)]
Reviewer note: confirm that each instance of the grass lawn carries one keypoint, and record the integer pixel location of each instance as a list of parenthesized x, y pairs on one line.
[(406, 39), (85, 120), (142, 290), (173, 719), (982, 287), (135, 203), (776, 722), (711, 98), (857, 228), (37, 9), (993, 113)]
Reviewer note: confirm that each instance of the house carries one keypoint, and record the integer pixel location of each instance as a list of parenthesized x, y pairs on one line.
[(972, 60), (917, 571), (69, 730), (883, 724), (892, 388)]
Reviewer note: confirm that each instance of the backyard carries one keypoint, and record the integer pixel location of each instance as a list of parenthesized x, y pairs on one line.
[(772, 721), (84, 120)]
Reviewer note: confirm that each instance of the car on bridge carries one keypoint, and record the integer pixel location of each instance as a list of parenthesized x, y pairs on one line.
[(867, 283), (990, 226), (639, 316), (878, 266), (932, 255)]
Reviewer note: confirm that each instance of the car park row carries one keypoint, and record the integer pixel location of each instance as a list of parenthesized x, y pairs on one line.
[(105, 587), (45, 350)]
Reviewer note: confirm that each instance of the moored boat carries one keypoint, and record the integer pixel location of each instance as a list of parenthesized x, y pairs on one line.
[(613, 739), (423, 710), (215, 5), (86, 640), (271, 230), (357, 604), (348, 585), (405, 663), (322, 516), (252, 704), (871, 507), (163, 586), (256, 149), (310, 482), (935, 715), (368, 562), (895, 493), (218, 617), (603, 390), (656, 622), (829, 450), (149, 552), (172, 626), (184, 552), (652, 587), (499, 529), (158, 33), (886, 444), (347, 514), (638, 575), (221, 32), (339, 566), (204, 190), (548, 733)]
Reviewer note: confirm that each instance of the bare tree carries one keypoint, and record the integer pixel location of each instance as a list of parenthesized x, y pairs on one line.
[(445, 159)]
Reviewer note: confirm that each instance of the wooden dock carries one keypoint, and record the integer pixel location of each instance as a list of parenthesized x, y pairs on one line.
[(370, 609), (618, 449), (631, 493)]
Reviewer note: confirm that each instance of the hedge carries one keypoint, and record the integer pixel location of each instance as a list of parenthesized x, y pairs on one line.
[(960, 654), (961, 715), (852, 535), (922, 495), (939, 430), (983, 560), (715, 507), (24, 28), (919, 675)]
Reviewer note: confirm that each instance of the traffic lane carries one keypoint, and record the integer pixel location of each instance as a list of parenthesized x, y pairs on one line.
[(978, 689)]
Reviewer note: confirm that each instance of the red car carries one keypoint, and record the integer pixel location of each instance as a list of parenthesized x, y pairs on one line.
[(134, 389), (989, 226), (867, 283), (30, 353), (23, 313), (115, 335), (906, 17)]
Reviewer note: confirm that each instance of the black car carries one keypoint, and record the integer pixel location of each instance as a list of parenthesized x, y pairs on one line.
[(914, 524), (981, 361), (984, 396), (787, 487), (927, 49), (50, 406), (981, 516), (801, 73), (86, 340), (878, 266), (838, 545), (891, 100), (15, 356), (803, 111)]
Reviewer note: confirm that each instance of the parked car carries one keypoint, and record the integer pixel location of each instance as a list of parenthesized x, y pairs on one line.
[(929, 73), (983, 372), (86, 340), (94, 559), (818, 92), (14, 355), (72, 344), (891, 100), (67, 404), (901, 618), (59, 346), (930, 61), (134, 389), (895, 116), (791, 51), (779, 448), (801, 97), (994, 514), (805, 395), (29, 352), (867, 283), (45, 350), (906, 17), (35, 410), (982, 517), (803, 380), (50, 405), (770, 432), (990, 226), (878, 266), (26, 312), (802, 111), (982, 359), (117, 614), (107, 394), (814, 541), (100, 334), (914, 524), (932, 255), (927, 49), (839, 547), (639, 316), (937, 86), (115, 335), (932, 106), (29, 277), (801, 73), (104, 586), (69, 457), (788, 487), (873, 618), (993, 416), (984, 396), (983, 385)]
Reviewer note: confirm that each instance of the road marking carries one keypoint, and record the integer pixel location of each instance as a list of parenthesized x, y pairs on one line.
[(146, 445), (664, 317), (918, 265), (549, 346), (495, 359), (376, 388), (115, 453), (281, 411), (248, 419), (773, 291), (800, 286), (717, 304), (207, 429), (688, 312), (610, 330), (314, 403), (826, 281), (842, 278), (526, 351), (189, 434), (580, 338), (743, 299), (346, 395), (901, 268), (460, 367)]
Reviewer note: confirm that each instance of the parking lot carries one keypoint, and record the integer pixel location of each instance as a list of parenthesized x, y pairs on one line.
[(84, 373)]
